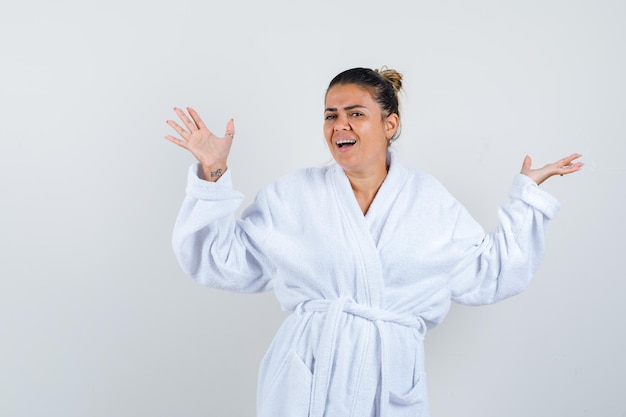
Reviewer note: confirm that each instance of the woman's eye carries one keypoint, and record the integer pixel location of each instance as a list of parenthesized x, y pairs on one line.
[(357, 114), (330, 117)]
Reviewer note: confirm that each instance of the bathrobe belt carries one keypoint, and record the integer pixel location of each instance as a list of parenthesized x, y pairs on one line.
[(326, 348)]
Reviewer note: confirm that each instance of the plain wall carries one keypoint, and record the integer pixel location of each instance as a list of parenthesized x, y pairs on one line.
[(96, 317)]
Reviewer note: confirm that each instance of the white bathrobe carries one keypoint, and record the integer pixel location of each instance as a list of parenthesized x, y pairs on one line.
[(363, 289)]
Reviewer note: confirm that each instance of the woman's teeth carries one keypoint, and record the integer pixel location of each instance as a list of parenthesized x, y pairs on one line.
[(343, 143)]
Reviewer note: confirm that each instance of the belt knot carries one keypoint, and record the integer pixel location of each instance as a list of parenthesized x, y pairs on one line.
[(326, 349)]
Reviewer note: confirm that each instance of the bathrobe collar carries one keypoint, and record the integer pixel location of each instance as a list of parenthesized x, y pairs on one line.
[(366, 229)]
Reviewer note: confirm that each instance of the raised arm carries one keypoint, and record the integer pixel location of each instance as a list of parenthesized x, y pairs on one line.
[(210, 150), (211, 245), (500, 264)]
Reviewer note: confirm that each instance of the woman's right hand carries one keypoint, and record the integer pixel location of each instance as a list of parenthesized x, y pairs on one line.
[(210, 151)]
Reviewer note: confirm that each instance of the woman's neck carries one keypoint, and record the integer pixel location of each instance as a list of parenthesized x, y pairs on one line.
[(365, 185)]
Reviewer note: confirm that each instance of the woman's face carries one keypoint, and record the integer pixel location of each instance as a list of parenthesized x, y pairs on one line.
[(355, 130)]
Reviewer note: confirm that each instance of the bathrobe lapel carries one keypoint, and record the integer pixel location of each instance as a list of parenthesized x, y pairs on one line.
[(367, 229), (365, 232)]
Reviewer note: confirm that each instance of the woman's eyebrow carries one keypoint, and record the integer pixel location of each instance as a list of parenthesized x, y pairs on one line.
[(355, 106)]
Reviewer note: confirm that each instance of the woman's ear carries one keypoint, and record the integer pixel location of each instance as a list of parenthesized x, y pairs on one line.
[(391, 125)]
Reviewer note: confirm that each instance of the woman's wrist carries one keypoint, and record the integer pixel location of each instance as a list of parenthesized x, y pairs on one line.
[(213, 172)]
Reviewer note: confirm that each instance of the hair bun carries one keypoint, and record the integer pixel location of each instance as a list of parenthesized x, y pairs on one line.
[(391, 75)]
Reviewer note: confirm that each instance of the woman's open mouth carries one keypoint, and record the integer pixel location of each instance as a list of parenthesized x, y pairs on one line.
[(345, 143)]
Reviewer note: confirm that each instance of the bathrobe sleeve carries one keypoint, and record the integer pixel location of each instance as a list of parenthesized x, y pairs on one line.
[(501, 264), (212, 246)]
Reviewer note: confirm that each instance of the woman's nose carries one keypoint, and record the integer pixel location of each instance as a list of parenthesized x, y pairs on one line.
[(341, 123)]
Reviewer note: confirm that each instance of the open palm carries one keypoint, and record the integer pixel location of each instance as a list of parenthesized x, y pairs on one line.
[(563, 166), (209, 149)]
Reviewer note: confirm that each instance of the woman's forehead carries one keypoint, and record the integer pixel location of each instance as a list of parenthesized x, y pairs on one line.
[(344, 95)]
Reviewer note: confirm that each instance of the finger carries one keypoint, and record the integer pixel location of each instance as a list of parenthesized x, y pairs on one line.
[(188, 122), (528, 162), (230, 129), (565, 166), (196, 118), (568, 169), (177, 141), (569, 159), (182, 132)]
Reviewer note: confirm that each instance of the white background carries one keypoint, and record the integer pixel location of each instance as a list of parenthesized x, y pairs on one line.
[(97, 319)]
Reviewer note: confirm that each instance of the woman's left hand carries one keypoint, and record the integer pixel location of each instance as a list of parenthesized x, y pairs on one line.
[(561, 167)]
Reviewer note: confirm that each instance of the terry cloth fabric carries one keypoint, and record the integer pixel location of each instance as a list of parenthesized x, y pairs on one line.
[(363, 289)]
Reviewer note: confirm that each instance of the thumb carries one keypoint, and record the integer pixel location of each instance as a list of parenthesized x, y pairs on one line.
[(230, 128), (528, 162)]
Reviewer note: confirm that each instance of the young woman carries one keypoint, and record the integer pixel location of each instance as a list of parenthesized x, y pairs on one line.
[(366, 253)]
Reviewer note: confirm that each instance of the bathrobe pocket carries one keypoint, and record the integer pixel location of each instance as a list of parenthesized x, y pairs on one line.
[(411, 402), (289, 391), (405, 373)]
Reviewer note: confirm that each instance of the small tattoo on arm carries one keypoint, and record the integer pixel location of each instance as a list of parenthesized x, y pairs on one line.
[(217, 173)]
